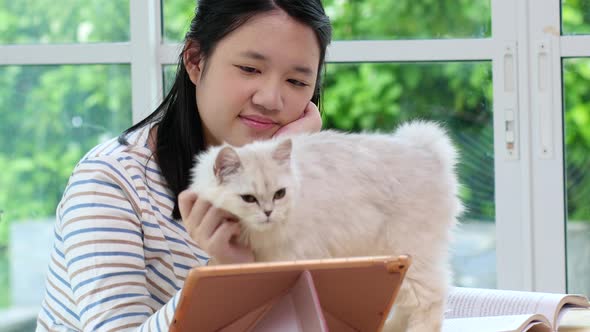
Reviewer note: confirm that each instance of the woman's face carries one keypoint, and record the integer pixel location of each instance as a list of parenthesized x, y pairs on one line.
[(258, 78)]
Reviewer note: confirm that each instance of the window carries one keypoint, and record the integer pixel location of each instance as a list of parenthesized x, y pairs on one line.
[(378, 96), (576, 73), (45, 23), (51, 116), (422, 19), (500, 74), (575, 23), (65, 85), (375, 94)]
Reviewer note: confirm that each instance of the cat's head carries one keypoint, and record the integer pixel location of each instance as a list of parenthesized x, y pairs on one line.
[(257, 183)]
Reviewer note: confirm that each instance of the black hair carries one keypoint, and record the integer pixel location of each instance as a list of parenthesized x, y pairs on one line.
[(180, 132)]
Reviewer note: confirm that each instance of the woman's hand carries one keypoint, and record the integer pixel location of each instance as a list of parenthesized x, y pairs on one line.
[(309, 122), (214, 230)]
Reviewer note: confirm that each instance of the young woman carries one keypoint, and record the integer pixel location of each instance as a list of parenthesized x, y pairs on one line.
[(126, 234)]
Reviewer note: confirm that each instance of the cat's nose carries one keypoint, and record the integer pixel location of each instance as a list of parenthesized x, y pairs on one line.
[(268, 213)]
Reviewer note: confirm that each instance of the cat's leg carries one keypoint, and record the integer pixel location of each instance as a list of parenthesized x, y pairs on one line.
[(404, 303), (418, 308), (398, 321)]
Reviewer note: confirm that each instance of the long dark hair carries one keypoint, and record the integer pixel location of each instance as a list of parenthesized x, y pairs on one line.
[(180, 132)]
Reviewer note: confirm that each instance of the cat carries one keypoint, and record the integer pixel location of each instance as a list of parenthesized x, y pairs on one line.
[(335, 194)]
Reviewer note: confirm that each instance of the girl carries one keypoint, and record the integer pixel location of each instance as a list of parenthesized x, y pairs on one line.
[(126, 234)]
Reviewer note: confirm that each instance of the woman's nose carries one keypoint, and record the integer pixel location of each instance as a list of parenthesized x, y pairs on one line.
[(268, 96)]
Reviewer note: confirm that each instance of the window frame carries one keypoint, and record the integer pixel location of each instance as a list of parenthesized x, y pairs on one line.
[(530, 249)]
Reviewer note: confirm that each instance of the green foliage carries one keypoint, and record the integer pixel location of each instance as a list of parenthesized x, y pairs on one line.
[(575, 15), (577, 137), (4, 276), (405, 19), (51, 116), (68, 21), (177, 16), (378, 96)]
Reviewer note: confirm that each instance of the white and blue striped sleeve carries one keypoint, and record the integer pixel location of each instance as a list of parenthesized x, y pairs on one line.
[(100, 221)]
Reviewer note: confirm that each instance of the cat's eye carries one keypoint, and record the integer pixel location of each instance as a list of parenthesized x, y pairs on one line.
[(280, 193), (249, 199)]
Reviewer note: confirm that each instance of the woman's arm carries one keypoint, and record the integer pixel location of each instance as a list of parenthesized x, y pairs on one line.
[(104, 269)]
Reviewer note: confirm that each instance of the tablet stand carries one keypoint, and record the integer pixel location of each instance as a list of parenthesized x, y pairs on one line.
[(338, 295), (296, 311)]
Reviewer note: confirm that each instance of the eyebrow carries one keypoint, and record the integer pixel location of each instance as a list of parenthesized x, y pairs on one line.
[(257, 56)]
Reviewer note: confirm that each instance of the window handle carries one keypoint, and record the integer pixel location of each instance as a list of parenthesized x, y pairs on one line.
[(510, 88), (544, 99)]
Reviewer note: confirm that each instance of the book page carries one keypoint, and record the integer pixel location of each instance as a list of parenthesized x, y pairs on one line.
[(574, 319), (474, 302), (531, 323)]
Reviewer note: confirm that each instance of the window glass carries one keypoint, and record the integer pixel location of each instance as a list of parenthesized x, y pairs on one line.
[(409, 19), (73, 21), (575, 17), (379, 96), (577, 163), (50, 117), (176, 16), (375, 19), (169, 73)]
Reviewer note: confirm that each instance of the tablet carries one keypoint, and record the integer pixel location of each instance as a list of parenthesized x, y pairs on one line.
[(340, 294)]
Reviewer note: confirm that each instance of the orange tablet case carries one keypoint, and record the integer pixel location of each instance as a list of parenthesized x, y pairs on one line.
[(348, 294)]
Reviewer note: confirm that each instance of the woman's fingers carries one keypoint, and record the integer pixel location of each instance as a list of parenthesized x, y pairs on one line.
[(230, 250), (197, 214), (186, 200), (314, 118), (311, 107), (212, 229), (220, 240), (209, 223), (310, 122)]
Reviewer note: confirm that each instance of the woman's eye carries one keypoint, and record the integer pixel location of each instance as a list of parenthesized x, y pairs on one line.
[(249, 70), (280, 193), (297, 83), (249, 199)]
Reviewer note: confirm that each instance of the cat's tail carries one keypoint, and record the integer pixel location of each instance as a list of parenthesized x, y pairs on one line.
[(431, 136)]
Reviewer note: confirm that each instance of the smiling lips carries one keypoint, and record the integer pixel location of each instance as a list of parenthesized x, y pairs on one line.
[(257, 122)]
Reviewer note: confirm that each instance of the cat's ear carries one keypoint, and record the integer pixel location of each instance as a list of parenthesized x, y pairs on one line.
[(282, 152), (226, 163)]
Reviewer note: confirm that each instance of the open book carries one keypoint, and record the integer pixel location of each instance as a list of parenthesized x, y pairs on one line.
[(483, 310)]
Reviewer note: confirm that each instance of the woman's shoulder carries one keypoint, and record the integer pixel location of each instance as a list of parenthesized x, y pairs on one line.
[(115, 170), (131, 146), (125, 163), (127, 154)]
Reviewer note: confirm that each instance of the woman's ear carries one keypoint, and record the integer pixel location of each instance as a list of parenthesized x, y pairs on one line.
[(192, 61)]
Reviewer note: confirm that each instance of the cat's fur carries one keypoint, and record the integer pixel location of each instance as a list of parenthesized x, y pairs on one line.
[(347, 195)]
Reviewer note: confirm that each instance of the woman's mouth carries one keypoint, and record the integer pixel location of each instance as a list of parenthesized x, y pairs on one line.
[(257, 122)]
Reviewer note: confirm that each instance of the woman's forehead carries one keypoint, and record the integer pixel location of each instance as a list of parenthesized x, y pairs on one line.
[(274, 37)]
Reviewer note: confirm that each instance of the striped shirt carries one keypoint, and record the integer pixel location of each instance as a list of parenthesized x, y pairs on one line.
[(119, 260)]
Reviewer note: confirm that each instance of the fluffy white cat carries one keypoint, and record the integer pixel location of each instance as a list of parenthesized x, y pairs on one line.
[(334, 194)]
